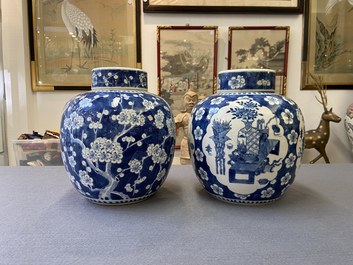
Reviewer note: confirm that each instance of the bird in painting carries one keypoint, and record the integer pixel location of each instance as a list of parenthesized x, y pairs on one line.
[(331, 3), (80, 27)]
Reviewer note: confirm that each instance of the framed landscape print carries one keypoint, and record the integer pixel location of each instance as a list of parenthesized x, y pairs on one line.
[(224, 6), (187, 63), (328, 44), (260, 47), (70, 37), (187, 60)]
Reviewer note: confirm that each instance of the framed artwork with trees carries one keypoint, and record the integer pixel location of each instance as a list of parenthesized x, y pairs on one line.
[(260, 47), (187, 61), (187, 66)]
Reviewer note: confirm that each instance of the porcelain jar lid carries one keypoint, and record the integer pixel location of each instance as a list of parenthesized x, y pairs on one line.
[(118, 77), (243, 80)]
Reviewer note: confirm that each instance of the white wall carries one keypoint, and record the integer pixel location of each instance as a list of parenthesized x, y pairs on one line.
[(27, 110)]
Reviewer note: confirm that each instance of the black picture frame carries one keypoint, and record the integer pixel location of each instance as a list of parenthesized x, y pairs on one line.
[(192, 6)]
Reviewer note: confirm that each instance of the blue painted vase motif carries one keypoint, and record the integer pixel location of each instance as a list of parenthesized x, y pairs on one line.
[(348, 124), (117, 140), (246, 142)]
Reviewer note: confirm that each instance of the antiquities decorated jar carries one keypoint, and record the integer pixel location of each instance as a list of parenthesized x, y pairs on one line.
[(246, 142), (117, 140), (348, 123)]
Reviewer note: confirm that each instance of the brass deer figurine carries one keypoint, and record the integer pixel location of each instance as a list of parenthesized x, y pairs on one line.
[(319, 137)]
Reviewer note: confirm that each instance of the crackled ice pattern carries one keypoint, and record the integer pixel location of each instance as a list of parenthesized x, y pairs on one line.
[(117, 145)]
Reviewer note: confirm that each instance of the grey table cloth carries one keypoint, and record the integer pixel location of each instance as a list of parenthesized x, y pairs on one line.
[(45, 221)]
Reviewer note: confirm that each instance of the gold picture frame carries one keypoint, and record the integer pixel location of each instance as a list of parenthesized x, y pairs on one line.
[(71, 37)]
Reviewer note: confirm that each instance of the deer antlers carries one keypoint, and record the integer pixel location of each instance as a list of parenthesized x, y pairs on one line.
[(319, 137), (322, 89)]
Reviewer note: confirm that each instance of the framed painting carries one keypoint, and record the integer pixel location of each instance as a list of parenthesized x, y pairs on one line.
[(70, 37), (187, 64), (260, 47), (224, 6), (328, 44)]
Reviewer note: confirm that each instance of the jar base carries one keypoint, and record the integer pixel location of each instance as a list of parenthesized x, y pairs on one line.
[(243, 202), (119, 202)]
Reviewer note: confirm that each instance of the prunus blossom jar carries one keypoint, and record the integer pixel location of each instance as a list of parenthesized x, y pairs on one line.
[(117, 140)]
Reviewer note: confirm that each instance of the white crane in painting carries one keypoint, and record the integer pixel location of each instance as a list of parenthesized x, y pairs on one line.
[(80, 28), (331, 3)]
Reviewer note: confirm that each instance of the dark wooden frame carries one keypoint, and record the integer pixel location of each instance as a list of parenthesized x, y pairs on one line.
[(201, 8), (32, 6), (266, 29)]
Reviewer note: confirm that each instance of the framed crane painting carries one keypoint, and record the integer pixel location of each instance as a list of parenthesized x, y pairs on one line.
[(71, 37)]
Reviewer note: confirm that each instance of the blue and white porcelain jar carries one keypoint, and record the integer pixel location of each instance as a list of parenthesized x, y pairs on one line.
[(117, 140), (246, 142), (348, 124)]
